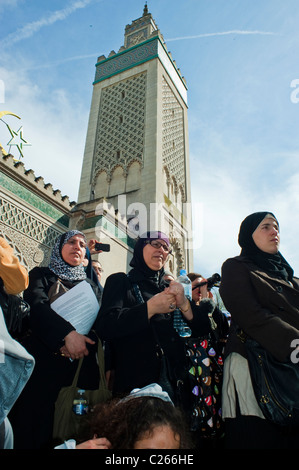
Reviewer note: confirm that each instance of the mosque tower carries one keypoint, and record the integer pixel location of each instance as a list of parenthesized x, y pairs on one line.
[(135, 174)]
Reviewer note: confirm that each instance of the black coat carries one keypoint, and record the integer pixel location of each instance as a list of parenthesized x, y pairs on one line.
[(266, 307), (32, 415), (47, 325), (124, 324)]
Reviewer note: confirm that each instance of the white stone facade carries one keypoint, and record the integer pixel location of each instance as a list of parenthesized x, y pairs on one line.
[(137, 144)]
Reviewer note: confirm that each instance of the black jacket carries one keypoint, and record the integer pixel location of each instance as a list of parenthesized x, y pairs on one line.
[(32, 414), (123, 322), (47, 325), (265, 307)]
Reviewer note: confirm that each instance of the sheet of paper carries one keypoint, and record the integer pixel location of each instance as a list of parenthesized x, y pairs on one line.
[(79, 306)]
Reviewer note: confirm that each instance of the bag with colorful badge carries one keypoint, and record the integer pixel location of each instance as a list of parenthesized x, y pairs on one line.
[(205, 375)]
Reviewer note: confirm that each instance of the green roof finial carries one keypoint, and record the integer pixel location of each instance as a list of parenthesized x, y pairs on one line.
[(145, 10)]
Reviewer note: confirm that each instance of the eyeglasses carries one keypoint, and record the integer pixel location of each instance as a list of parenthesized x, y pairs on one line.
[(155, 244)]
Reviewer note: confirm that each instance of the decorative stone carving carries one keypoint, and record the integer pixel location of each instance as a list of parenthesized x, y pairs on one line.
[(32, 214), (29, 252), (173, 152), (121, 123), (137, 37), (125, 60)]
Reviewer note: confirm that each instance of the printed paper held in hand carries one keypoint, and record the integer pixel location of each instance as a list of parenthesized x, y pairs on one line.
[(79, 306)]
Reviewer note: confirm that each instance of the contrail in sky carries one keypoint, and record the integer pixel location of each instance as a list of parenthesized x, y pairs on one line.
[(31, 28), (204, 35), (62, 61), (224, 33)]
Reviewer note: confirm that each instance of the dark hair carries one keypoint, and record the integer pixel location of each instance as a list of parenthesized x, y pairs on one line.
[(123, 423), (193, 276)]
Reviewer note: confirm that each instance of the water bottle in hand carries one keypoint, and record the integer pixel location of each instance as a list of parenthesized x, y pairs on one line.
[(178, 320)]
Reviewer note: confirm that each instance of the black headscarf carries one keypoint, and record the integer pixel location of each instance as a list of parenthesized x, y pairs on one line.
[(90, 272), (273, 264), (141, 273)]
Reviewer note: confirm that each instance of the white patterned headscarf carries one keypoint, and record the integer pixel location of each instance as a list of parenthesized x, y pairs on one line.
[(60, 267), (153, 390)]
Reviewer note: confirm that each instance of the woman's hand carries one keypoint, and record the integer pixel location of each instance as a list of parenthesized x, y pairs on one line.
[(161, 303), (204, 293), (175, 288), (75, 345), (96, 443), (91, 246)]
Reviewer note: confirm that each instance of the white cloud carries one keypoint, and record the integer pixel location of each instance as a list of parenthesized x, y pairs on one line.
[(55, 125), (286, 203), (230, 182), (225, 203), (31, 28), (10, 4)]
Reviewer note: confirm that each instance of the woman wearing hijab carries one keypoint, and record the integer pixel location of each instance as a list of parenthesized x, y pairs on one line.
[(261, 293), (54, 343), (138, 323)]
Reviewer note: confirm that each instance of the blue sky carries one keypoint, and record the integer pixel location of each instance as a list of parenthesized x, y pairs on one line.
[(240, 61)]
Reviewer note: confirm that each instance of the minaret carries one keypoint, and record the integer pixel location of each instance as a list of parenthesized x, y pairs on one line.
[(135, 173)]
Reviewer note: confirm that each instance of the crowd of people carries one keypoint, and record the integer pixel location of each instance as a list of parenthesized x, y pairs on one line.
[(167, 391)]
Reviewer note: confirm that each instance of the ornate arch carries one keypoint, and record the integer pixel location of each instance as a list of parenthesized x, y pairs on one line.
[(178, 252)]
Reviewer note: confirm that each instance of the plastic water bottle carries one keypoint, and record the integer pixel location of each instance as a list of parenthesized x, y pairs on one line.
[(80, 403), (178, 319)]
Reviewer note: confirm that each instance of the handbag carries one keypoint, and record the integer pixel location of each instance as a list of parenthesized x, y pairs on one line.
[(275, 384), (16, 313), (66, 422), (57, 289)]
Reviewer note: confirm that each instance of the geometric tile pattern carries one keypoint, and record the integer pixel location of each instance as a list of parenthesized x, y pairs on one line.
[(24, 222), (126, 60), (121, 125), (173, 145)]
